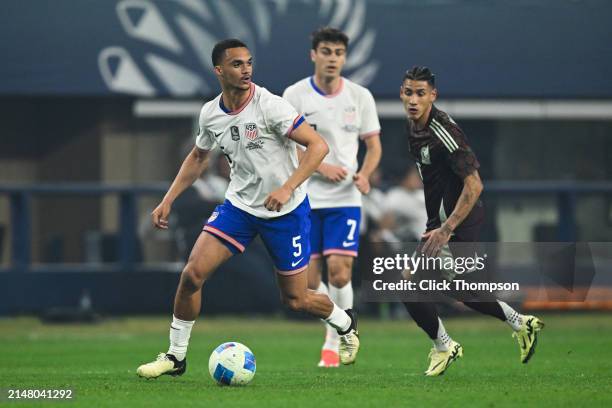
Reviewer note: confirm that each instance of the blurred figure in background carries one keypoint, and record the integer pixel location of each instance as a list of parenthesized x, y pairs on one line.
[(199, 201), (191, 208), (373, 203), (404, 217)]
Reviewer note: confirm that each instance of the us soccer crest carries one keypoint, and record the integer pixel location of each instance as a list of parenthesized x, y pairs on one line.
[(250, 131), (425, 159), (350, 115), (350, 119)]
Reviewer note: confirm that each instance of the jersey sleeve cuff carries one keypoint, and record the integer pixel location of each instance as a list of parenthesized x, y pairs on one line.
[(296, 123), (368, 135)]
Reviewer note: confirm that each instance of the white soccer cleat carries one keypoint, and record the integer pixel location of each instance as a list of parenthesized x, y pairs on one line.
[(349, 341), (165, 364)]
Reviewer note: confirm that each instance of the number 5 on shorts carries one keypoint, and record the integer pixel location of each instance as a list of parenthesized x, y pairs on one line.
[(297, 245)]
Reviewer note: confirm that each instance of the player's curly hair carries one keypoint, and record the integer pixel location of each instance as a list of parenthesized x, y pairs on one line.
[(329, 34), (221, 46), (421, 73)]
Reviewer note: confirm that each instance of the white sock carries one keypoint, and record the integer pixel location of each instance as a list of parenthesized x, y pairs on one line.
[(443, 341), (180, 331), (339, 319), (342, 296), (323, 288), (513, 318), (332, 339)]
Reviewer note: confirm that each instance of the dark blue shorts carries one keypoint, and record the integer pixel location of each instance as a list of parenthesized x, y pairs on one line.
[(335, 231), (287, 238)]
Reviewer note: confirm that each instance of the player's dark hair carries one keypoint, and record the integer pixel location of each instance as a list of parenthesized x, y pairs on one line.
[(221, 46), (329, 34), (418, 73)]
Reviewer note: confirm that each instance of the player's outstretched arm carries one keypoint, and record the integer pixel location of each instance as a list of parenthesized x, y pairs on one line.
[(472, 188), (316, 150), (193, 166), (370, 163)]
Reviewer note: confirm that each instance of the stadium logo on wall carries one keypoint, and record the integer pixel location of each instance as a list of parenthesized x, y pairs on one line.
[(250, 131), (174, 41), (235, 133)]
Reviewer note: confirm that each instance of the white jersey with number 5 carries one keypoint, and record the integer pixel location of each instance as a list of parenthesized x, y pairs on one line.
[(254, 138), (342, 119)]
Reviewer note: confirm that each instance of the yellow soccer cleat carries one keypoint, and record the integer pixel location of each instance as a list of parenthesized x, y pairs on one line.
[(441, 360), (527, 337), (349, 342), (165, 364)]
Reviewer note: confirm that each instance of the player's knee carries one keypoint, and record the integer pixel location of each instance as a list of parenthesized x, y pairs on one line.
[(192, 279), (340, 280), (297, 303), (339, 270)]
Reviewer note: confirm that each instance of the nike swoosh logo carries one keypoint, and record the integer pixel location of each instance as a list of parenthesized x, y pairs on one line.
[(174, 328), (296, 262), (218, 134), (309, 113), (347, 244)]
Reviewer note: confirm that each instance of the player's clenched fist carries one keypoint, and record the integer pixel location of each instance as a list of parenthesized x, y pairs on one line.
[(160, 214), (278, 198)]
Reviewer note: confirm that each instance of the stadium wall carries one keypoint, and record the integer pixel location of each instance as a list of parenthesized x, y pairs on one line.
[(479, 49)]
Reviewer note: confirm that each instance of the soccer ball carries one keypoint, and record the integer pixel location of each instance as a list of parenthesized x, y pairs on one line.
[(232, 363)]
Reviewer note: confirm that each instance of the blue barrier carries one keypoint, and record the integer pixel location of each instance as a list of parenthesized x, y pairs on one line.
[(21, 196)]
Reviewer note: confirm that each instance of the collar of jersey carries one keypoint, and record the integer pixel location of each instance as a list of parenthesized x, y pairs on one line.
[(320, 91), (240, 108), (432, 113)]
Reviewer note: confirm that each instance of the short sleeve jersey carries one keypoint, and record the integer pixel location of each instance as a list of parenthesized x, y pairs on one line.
[(342, 119), (254, 139), (444, 159)]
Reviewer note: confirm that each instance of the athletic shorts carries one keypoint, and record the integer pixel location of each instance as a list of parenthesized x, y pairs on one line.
[(335, 231), (462, 244), (287, 238)]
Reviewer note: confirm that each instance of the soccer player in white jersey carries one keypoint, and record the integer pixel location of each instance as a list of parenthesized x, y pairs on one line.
[(344, 113), (257, 131)]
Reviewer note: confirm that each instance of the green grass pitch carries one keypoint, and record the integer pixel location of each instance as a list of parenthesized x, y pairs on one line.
[(572, 366)]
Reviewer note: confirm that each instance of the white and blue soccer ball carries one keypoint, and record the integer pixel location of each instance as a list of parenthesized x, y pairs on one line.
[(232, 363)]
